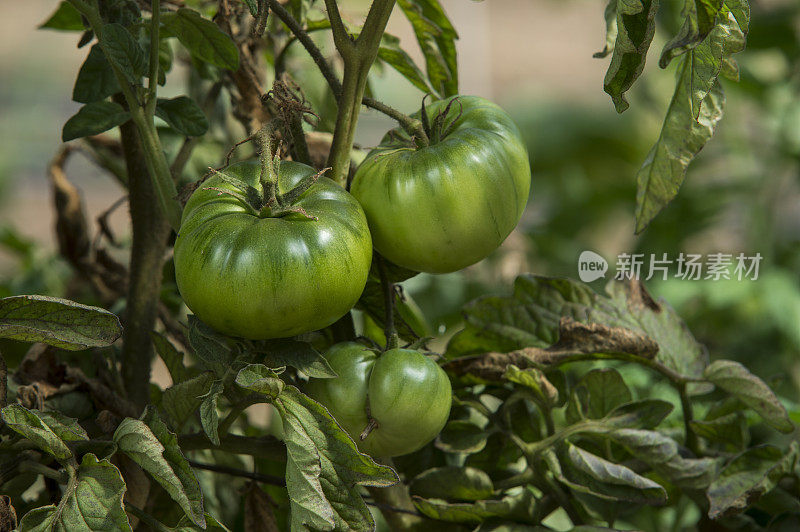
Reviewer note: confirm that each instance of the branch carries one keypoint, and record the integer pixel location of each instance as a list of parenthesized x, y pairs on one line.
[(413, 126), (272, 480), (388, 301), (264, 447), (344, 43)]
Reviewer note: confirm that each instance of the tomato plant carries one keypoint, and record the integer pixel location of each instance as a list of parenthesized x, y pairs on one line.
[(265, 271), (443, 206), (402, 396), (283, 277)]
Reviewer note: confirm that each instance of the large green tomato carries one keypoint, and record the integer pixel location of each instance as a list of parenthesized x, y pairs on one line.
[(257, 276), (409, 397), (445, 206)]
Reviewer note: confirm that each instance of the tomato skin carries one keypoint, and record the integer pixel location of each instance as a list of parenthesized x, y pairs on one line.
[(409, 396), (443, 207), (259, 277)]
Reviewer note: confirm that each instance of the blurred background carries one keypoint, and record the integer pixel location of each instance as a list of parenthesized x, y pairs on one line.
[(742, 194)]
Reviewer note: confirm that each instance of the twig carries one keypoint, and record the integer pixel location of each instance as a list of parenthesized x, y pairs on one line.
[(146, 518), (264, 447), (388, 301), (691, 439), (273, 480)]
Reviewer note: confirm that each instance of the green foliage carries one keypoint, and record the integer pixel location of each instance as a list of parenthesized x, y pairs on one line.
[(57, 322), (604, 406)]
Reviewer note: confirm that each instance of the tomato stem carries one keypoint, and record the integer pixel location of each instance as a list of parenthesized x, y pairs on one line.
[(389, 330), (372, 425)]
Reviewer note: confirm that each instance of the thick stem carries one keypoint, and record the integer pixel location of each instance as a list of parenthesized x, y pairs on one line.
[(358, 58), (149, 242), (355, 81), (143, 119), (413, 126)]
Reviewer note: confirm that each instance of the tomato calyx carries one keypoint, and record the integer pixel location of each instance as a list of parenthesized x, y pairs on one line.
[(440, 127), (268, 203)]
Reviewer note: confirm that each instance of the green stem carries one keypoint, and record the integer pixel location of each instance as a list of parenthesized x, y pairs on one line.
[(358, 57), (62, 477), (146, 518), (140, 114), (155, 23), (263, 447), (686, 405), (389, 330), (412, 125), (148, 246), (236, 411)]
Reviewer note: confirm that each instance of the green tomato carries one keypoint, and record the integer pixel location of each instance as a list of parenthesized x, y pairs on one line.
[(256, 276), (409, 397), (445, 206)]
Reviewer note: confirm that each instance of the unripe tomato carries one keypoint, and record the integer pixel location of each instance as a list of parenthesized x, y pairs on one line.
[(407, 394), (256, 276), (445, 206)]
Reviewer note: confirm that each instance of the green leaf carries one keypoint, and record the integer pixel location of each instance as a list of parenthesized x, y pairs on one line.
[(699, 18), (610, 16), (215, 350), (150, 444), (260, 379), (64, 18), (92, 501), (185, 525), (65, 427), (183, 114), (693, 113), (735, 379), (96, 80), (591, 474), (391, 52), (57, 322), (173, 359), (645, 414), (202, 38), (436, 37), (461, 436), (661, 453), (629, 321), (518, 508), (453, 483), (209, 418), (729, 430), (33, 426), (123, 51), (300, 355), (635, 29), (93, 119), (182, 400), (534, 380), (747, 477), (599, 392), (324, 468)]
